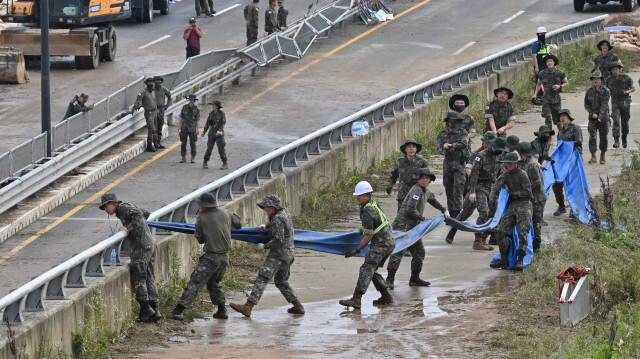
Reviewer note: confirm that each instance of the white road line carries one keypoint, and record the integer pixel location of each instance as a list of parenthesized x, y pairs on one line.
[(513, 17), (154, 42), (464, 48), (227, 9)]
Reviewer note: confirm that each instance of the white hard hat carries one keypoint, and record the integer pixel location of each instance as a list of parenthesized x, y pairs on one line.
[(363, 187), (541, 30)]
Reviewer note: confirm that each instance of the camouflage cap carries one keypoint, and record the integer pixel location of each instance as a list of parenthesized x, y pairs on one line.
[(106, 198), (596, 74), (498, 144), (543, 129), (567, 112), (512, 141), (207, 200), (488, 136), (270, 200), (451, 115), (617, 64), (510, 157), (424, 172), (525, 148), (411, 141)]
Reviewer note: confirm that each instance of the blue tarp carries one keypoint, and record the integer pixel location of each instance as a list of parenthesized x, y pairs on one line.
[(328, 242)]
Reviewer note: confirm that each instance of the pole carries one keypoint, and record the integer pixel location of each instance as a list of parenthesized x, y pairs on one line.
[(45, 92)]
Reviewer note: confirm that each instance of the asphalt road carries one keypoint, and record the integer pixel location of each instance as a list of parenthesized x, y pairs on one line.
[(292, 98)]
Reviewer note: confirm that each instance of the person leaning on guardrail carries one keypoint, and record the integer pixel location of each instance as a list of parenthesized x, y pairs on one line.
[(188, 126), (163, 100), (77, 105), (252, 17), (147, 99), (143, 253), (216, 121)]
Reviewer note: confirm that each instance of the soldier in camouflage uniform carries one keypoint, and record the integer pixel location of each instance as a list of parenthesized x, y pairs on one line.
[(282, 15), (163, 100), (532, 168), (459, 103), (410, 215), (251, 16), (147, 100), (518, 213), (279, 260), (571, 133), (216, 121), (499, 113), (188, 126), (270, 22), (406, 168), (377, 231), (552, 80), (143, 253), (542, 143), (604, 59), (453, 144), (596, 102), (620, 86), (77, 105), (213, 229), (483, 175)]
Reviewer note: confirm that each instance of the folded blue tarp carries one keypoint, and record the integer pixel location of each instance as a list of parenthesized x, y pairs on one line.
[(328, 242)]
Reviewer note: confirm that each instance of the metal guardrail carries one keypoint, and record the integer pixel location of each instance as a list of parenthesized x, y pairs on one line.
[(30, 297)]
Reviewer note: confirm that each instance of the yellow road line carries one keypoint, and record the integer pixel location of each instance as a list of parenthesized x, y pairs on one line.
[(173, 146)]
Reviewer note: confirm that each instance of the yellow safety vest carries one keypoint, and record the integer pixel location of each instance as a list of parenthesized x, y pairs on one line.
[(544, 51), (383, 217)]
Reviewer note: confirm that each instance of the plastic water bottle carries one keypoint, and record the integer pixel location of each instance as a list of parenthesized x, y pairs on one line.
[(112, 262), (426, 97)]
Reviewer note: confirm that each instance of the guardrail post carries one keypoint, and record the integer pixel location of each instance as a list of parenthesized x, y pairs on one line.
[(33, 301)]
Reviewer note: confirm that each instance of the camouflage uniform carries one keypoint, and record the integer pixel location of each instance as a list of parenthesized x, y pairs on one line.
[(190, 117), (270, 22), (501, 114), (404, 171), (542, 149), (483, 174), (519, 211), (469, 124), (143, 251), (410, 215), (252, 15), (603, 63), (75, 107), (279, 260), (381, 246), (570, 133), (282, 17), (551, 100), (216, 121), (532, 168), (163, 100), (147, 100), (213, 229), (596, 101), (620, 104), (455, 157)]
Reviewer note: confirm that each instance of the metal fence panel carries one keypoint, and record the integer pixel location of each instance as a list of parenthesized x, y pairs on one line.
[(5, 167), (271, 48), (197, 65), (133, 89), (255, 52), (59, 136), (78, 126), (98, 116), (318, 23), (117, 102), (333, 13), (39, 148), (21, 157), (304, 37), (288, 46)]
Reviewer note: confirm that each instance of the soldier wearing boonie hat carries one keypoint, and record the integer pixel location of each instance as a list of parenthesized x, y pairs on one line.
[(500, 113), (405, 168), (532, 168), (215, 121)]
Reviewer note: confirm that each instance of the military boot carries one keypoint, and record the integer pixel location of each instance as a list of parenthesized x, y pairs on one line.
[(297, 307), (157, 315), (489, 247), (146, 313), (560, 211), (205, 165), (385, 298), (355, 301), (603, 159), (245, 308), (520, 261), (222, 312), (183, 160), (479, 244), (415, 280), (391, 276), (450, 235), (593, 158), (624, 141), (176, 313), (503, 263), (193, 159), (616, 142), (150, 147), (224, 165)]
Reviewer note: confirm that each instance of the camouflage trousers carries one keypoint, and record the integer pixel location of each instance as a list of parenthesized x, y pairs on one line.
[(519, 213), (278, 267), (150, 119), (192, 137), (209, 271), (219, 140), (454, 180), (558, 192), (417, 258), (620, 113), (598, 130), (143, 281), (374, 259), (550, 112), (538, 212), (159, 124), (481, 203), (252, 34)]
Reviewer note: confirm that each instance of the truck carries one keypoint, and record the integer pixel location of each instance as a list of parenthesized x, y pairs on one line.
[(80, 28), (578, 5)]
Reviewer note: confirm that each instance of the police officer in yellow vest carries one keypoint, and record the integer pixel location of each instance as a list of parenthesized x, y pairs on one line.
[(539, 50)]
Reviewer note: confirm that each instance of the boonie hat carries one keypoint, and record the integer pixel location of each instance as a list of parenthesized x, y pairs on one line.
[(217, 103), (543, 129), (525, 148), (193, 97), (451, 115), (424, 172), (495, 92), (488, 136), (106, 198), (552, 57), (599, 46), (270, 200), (616, 64), (207, 200), (498, 144), (567, 112), (411, 141), (596, 74), (512, 141), (510, 157), (457, 97)]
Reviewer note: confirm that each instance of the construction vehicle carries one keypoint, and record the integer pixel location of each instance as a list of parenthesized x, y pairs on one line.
[(79, 28)]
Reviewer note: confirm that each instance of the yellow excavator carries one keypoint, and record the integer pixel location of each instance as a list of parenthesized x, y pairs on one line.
[(79, 28)]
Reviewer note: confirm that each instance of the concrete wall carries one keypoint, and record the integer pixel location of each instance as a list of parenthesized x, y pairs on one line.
[(62, 318)]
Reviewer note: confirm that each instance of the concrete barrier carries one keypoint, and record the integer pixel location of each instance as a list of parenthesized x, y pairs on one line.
[(62, 318)]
